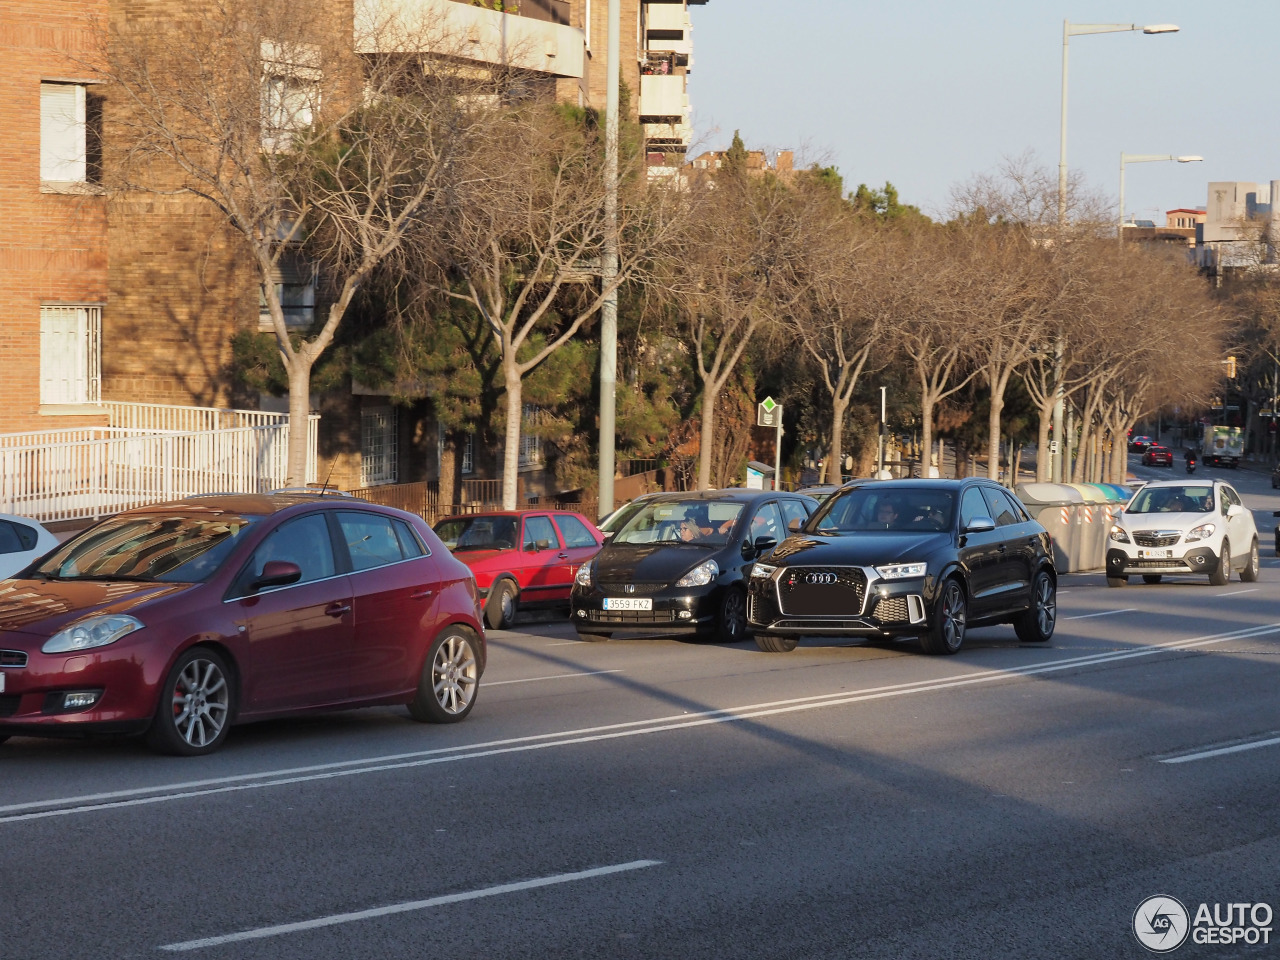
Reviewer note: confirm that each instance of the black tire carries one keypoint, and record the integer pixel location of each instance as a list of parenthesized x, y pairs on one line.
[(950, 616), (197, 704), (450, 679), (500, 607), (776, 642), (1221, 576), (1250, 572), (1152, 577), (594, 637), (1036, 625), (731, 625), (1119, 581)]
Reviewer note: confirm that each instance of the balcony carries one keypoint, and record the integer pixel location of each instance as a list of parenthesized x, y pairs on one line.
[(663, 99), (668, 28), (458, 30)]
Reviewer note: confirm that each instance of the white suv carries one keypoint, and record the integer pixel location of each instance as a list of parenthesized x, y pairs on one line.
[(1175, 527)]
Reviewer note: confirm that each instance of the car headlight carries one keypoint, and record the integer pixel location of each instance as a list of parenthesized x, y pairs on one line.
[(583, 576), (93, 632), (700, 575), (762, 570), (1118, 534), (1202, 532), (900, 571)]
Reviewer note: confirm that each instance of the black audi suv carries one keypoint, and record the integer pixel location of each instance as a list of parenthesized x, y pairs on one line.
[(921, 558)]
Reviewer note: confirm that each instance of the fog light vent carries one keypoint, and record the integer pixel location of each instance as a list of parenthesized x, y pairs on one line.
[(80, 699)]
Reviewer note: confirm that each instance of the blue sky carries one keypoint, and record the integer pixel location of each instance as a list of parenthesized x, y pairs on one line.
[(927, 93)]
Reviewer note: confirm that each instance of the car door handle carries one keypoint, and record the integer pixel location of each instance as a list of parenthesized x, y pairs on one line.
[(1003, 547), (337, 609), (422, 594), (562, 556)]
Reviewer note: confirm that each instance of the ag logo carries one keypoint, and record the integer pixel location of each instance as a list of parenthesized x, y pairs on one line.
[(1161, 924), (819, 579)]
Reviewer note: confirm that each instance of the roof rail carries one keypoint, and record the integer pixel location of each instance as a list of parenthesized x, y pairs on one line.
[(311, 491)]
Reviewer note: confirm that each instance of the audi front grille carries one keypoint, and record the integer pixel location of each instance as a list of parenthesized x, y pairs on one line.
[(821, 591)]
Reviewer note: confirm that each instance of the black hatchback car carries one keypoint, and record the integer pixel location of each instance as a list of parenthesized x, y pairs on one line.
[(922, 558), (680, 564)]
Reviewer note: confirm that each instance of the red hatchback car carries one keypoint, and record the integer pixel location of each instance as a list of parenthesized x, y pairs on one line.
[(182, 619), (521, 559), (1157, 456)]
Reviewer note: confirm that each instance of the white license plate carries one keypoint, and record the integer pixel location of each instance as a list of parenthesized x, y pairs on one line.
[(628, 603), (1155, 554), (1, 681)]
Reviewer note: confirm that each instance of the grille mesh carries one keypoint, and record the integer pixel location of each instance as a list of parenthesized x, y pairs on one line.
[(1152, 538), (841, 596), (892, 610)]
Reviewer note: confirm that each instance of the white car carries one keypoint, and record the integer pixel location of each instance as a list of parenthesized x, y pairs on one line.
[(1173, 527), (21, 541)]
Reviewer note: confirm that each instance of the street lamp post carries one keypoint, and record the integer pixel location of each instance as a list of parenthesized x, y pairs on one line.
[(609, 267), (1143, 158), (1070, 30)]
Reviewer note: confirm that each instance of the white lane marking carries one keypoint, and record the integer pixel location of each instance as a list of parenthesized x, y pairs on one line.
[(37, 810), (558, 676), (1222, 751), (1104, 613), (413, 905), (1236, 593)]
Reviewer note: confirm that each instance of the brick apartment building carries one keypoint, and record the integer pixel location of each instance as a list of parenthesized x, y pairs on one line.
[(137, 298)]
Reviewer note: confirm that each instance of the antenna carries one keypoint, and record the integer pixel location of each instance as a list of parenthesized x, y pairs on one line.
[(328, 475)]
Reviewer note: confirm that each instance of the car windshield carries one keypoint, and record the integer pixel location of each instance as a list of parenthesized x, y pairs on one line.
[(478, 533), (867, 509), (170, 548), (1180, 499), (699, 522)]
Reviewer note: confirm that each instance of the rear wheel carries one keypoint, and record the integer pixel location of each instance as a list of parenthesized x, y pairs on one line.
[(950, 615), (500, 609), (1152, 577), (1250, 572), (776, 642), (450, 679), (1119, 581), (196, 705), (1036, 625), (1222, 575), (732, 625), (594, 637)]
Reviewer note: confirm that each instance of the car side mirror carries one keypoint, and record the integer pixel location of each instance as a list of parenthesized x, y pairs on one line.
[(764, 544), (980, 525), (795, 525), (541, 544), (606, 535), (277, 573), (1235, 510)]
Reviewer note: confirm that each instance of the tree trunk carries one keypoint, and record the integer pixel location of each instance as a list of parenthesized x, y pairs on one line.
[(447, 484), (511, 451), (836, 459), (299, 371), (1044, 459), (993, 433), (926, 436), (708, 431)]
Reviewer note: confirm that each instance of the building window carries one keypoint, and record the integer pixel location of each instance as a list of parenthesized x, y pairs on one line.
[(70, 354), (290, 91), (469, 454), (70, 134), (530, 444), (378, 461), (295, 283)]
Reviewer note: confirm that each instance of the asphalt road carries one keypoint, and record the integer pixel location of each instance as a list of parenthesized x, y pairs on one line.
[(654, 799)]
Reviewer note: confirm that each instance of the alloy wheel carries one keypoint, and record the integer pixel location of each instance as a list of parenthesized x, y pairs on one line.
[(953, 615), (201, 702), (454, 674), (1046, 605)]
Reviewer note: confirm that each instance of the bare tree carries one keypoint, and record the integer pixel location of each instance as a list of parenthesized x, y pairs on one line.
[(305, 131)]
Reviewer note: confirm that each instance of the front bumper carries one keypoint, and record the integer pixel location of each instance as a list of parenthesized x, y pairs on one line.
[(1184, 559), (675, 612), (887, 608)]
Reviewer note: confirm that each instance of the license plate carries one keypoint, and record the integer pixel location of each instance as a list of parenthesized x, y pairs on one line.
[(1155, 554), (628, 603), (1, 681)]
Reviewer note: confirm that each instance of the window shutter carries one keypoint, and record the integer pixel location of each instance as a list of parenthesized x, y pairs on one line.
[(62, 132), (69, 354)]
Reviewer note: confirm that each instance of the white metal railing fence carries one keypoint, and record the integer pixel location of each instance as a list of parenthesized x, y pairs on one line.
[(154, 417), (93, 471)]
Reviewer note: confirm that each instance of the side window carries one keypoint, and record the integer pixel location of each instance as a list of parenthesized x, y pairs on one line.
[(1020, 514), (1001, 509), (794, 510), (371, 539), (411, 544), (304, 541), (9, 540), (767, 523), (575, 531), (537, 529), (972, 506)]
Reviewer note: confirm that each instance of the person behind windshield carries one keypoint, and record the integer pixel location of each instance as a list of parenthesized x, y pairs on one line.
[(886, 515), (689, 531)]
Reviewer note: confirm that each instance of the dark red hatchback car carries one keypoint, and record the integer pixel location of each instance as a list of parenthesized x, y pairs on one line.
[(182, 619), (522, 559)]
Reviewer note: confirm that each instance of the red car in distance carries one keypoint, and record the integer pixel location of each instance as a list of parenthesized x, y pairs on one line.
[(1157, 456), (522, 559)]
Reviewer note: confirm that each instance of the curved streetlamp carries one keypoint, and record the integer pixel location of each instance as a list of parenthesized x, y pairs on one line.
[(1143, 158)]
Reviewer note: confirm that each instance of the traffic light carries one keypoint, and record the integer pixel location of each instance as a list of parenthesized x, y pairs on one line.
[(1231, 367)]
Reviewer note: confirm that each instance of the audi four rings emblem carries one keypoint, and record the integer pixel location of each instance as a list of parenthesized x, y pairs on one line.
[(820, 578)]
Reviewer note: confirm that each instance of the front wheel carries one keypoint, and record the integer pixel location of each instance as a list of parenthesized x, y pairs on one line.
[(450, 679), (732, 626), (1222, 575), (500, 609), (776, 642), (950, 614), (196, 705), (1250, 572), (1036, 625)]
